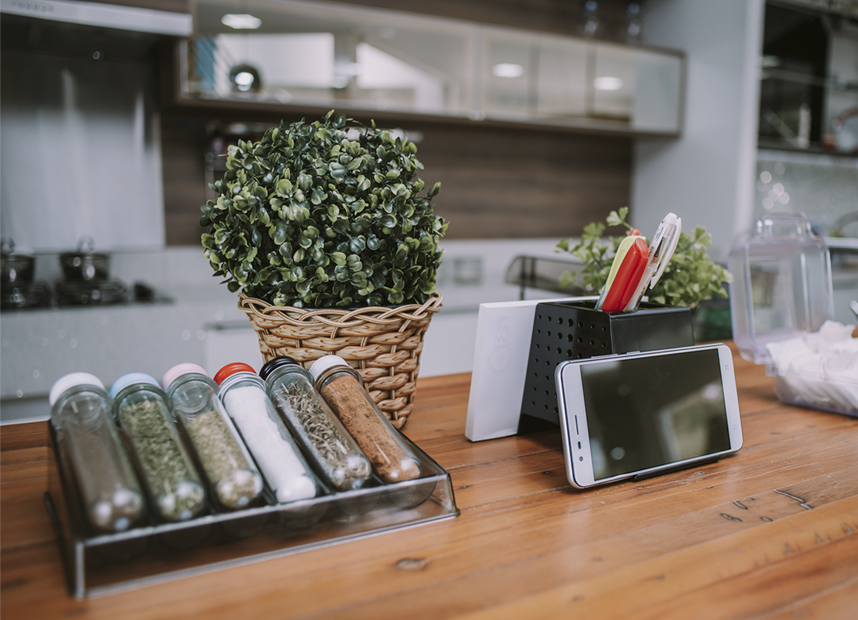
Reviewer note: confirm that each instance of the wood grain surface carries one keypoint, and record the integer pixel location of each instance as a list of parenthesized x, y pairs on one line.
[(767, 533)]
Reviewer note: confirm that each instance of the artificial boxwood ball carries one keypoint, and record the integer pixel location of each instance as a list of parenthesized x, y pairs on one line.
[(326, 214)]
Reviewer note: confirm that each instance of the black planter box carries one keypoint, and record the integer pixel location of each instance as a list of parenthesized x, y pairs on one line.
[(564, 331)]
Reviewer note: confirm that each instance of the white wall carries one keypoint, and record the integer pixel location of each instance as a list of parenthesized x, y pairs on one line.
[(706, 177), (81, 153)]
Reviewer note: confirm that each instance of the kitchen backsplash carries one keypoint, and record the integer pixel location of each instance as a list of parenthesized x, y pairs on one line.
[(824, 187), (197, 320)]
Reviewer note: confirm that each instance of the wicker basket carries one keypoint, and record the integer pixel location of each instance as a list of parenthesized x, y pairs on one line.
[(383, 344)]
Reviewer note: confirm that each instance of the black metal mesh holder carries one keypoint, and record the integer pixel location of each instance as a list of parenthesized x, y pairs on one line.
[(566, 331)]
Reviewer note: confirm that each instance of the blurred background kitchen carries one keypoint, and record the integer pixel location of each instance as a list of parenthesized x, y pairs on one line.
[(537, 116)]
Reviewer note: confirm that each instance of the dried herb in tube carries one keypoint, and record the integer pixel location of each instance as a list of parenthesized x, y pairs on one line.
[(168, 472), (233, 478), (315, 427)]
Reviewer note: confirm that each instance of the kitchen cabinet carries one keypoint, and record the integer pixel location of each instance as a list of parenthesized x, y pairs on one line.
[(809, 78), (322, 55)]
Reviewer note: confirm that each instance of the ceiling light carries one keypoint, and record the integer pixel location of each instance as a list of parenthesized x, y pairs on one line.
[(508, 70), (607, 82), (241, 21)]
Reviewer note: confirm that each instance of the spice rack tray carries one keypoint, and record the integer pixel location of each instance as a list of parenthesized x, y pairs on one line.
[(98, 564)]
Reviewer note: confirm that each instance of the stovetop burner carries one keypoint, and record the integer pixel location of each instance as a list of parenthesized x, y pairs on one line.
[(90, 293), (20, 295)]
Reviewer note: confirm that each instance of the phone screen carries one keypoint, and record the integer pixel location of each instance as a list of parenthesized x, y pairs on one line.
[(651, 411)]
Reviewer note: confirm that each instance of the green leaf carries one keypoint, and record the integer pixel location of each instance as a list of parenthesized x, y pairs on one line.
[(615, 219), (284, 187), (280, 233), (354, 263), (357, 244), (337, 170), (317, 196)]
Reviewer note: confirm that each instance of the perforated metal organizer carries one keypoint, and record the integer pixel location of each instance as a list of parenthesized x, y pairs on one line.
[(564, 331), (98, 563)]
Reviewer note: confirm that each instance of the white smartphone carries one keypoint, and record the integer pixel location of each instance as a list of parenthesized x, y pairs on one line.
[(639, 414)]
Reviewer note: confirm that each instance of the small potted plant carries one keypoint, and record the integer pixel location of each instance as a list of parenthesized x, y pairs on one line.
[(690, 277), (325, 232)]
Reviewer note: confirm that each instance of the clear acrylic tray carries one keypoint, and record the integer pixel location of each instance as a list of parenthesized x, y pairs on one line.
[(816, 392), (103, 563)]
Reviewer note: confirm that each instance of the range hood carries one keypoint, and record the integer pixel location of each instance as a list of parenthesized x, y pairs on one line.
[(102, 15), (104, 32)]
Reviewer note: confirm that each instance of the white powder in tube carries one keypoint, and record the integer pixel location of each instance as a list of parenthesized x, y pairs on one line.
[(249, 408)]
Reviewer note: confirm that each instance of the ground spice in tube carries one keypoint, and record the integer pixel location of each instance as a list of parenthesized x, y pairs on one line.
[(341, 387), (246, 400), (81, 414)]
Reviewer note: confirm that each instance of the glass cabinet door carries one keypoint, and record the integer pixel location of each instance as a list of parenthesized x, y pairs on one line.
[(319, 54), (353, 57)]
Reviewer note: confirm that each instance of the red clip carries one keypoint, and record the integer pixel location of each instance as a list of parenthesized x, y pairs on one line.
[(628, 276)]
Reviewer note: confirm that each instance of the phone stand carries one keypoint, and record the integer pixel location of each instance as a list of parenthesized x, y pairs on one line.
[(564, 331)]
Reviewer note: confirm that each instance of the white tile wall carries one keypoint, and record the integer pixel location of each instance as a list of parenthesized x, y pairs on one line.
[(205, 326)]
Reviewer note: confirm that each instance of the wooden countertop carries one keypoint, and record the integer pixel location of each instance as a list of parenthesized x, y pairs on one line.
[(771, 532)]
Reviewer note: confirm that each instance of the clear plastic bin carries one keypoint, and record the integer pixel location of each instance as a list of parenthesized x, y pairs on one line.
[(782, 284)]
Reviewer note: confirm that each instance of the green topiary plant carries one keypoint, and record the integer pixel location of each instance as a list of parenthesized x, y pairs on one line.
[(324, 215), (691, 275)]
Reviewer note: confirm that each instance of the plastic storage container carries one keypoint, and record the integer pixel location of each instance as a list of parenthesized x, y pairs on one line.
[(782, 303), (234, 482), (245, 397), (342, 388), (81, 412), (333, 451), (174, 487), (818, 370), (782, 284)]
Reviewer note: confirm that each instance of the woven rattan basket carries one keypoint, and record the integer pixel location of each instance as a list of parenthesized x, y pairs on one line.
[(383, 344)]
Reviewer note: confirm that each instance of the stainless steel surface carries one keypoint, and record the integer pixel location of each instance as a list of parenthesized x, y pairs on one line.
[(542, 273)]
